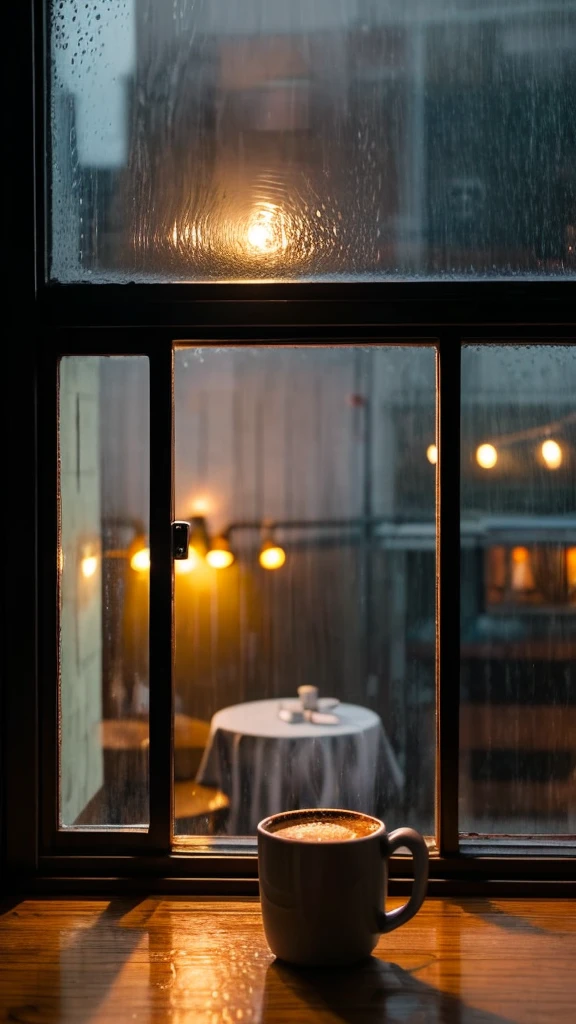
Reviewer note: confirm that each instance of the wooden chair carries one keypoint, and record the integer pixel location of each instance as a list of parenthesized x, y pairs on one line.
[(193, 801)]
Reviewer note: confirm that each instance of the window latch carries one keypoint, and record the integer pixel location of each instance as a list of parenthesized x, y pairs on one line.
[(180, 539)]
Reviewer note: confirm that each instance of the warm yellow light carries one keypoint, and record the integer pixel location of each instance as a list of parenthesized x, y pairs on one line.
[(219, 555), (88, 565), (266, 231), (140, 560), (571, 567), (520, 555), (552, 454), (219, 558), (201, 506), (522, 576), (261, 236), (184, 565), (272, 556), (432, 454), (486, 456)]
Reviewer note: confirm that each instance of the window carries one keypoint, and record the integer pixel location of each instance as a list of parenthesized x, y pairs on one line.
[(104, 602), (294, 267), (312, 563), (518, 700)]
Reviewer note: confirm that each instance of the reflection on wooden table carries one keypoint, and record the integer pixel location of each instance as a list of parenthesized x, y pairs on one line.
[(206, 962)]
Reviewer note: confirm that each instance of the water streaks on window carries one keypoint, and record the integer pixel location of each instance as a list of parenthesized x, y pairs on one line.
[(204, 140)]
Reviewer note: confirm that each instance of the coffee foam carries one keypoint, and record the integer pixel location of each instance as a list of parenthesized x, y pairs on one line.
[(325, 829)]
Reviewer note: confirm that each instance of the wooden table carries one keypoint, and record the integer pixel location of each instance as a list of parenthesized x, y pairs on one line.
[(198, 961)]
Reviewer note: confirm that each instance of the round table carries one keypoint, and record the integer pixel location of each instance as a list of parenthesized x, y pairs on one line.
[(265, 765)]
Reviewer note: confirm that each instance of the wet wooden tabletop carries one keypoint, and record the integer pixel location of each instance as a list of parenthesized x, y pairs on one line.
[(199, 961)]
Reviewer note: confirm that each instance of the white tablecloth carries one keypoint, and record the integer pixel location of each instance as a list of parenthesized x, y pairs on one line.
[(266, 765)]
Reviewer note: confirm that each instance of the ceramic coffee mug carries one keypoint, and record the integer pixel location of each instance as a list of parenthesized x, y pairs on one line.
[(322, 900)]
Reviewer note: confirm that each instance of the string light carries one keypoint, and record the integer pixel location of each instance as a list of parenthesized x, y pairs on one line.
[(220, 555), (432, 454), (271, 556), (486, 456), (552, 454)]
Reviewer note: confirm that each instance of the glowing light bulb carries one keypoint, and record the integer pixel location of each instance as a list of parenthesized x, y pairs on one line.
[(272, 556), (486, 456), (88, 565), (219, 559), (552, 454), (219, 555), (267, 230), (432, 454), (184, 565), (261, 236), (201, 506), (140, 560)]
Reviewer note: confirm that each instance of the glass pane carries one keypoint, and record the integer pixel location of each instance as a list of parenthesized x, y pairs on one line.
[(103, 558), (518, 714), (264, 139), (305, 476)]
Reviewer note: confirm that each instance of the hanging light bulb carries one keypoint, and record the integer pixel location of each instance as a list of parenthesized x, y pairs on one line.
[(486, 456), (220, 556), (140, 560), (432, 454), (552, 454), (184, 565), (271, 556)]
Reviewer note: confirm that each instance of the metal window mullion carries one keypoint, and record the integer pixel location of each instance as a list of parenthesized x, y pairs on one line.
[(448, 591), (161, 581)]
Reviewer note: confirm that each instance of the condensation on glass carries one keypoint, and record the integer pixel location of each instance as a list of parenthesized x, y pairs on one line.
[(103, 561), (205, 140), (307, 476), (518, 689)]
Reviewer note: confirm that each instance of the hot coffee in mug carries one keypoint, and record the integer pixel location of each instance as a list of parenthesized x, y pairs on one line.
[(323, 883)]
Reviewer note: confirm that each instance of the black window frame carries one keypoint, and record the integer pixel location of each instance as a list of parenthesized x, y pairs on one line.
[(148, 320)]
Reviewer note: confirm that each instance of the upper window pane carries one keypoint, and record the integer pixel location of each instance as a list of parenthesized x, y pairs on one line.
[(204, 140)]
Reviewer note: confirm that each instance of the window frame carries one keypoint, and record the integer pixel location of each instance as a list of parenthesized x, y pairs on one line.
[(147, 320)]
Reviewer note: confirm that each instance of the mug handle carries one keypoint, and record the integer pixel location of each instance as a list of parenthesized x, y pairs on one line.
[(413, 840)]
